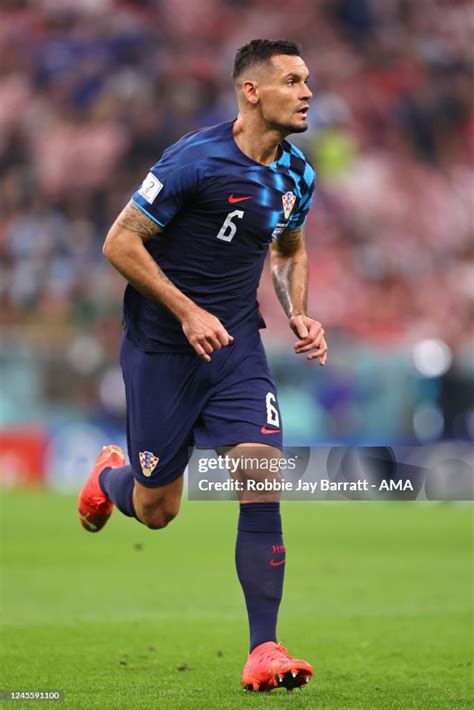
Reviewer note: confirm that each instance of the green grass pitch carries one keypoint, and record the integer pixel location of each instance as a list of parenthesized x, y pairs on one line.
[(377, 597)]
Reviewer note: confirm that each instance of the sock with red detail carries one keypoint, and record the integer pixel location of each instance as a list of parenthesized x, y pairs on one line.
[(117, 484), (259, 558)]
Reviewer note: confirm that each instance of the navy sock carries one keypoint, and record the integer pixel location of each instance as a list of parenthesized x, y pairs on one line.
[(117, 484), (259, 558)]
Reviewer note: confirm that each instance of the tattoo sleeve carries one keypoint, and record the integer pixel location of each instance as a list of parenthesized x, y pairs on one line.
[(125, 248), (134, 220), (289, 264)]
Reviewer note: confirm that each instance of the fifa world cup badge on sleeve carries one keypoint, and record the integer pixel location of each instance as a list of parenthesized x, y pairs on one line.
[(150, 188), (148, 462), (288, 199)]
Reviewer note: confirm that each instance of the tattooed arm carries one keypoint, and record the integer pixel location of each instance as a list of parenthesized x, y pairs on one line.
[(289, 263), (124, 248)]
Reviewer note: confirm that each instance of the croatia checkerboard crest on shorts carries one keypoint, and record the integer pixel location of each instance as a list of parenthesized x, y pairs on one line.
[(148, 462), (288, 199)]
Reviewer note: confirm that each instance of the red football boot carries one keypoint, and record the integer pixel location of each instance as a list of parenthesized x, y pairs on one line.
[(95, 508), (270, 666)]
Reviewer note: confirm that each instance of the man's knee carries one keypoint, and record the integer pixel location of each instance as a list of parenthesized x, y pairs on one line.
[(157, 518), (156, 507)]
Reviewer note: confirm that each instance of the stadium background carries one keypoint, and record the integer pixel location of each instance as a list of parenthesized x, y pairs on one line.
[(90, 95), (91, 91)]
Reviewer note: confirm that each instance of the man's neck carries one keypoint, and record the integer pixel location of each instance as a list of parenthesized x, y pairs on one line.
[(257, 141)]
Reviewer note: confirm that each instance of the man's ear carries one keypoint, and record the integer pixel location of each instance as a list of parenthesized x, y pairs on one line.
[(250, 91)]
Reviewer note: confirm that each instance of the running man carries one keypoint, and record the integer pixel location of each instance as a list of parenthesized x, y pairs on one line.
[(192, 243)]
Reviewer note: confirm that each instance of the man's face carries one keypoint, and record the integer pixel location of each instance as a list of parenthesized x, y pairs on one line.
[(284, 94)]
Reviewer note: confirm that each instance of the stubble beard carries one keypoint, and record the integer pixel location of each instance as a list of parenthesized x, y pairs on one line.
[(287, 129), (299, 129)]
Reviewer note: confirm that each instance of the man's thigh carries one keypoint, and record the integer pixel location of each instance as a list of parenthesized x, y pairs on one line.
[(243, 404), (165, 394)]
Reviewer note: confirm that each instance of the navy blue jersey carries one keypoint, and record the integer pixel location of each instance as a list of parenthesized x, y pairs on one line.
[(219, 211)]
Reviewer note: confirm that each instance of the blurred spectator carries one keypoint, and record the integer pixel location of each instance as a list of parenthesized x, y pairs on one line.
[(92, 92)]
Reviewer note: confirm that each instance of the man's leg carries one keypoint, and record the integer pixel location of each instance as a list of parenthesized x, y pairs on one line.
[(164, 394), (260, 560), (111, 483), (156, 507), (259, 551), (243, 407)]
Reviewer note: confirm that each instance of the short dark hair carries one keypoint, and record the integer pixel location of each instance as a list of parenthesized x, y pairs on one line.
[(259, 51)]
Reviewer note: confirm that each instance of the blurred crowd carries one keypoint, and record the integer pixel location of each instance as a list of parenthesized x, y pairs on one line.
[(92, 91)]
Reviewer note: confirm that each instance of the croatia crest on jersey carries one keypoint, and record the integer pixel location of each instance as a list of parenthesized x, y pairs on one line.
[(288, 199), (148, 462)]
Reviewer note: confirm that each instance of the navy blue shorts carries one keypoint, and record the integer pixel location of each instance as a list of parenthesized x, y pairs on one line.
[(176, 401)]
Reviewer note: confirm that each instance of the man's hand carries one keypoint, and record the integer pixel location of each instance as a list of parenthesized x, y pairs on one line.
[(204, 332), (311, 338)]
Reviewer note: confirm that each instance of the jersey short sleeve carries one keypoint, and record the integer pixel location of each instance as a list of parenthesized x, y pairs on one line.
[(299, 217), (167, 187)]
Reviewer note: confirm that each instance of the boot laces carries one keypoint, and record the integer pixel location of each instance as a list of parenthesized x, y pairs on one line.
[(275, 653)]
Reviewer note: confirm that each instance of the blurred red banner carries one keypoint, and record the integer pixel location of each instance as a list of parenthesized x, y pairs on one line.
[(22, 453)]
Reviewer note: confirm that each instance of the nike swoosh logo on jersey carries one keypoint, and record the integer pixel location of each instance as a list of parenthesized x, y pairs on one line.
[(264, 430), (233, 199), (277, 563)]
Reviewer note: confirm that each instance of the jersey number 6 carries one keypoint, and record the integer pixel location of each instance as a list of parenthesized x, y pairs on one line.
[(228, 229)]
